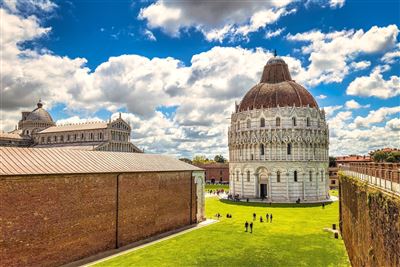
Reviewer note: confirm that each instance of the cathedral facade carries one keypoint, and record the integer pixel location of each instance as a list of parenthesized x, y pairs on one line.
[(279, 141), (37, 129)]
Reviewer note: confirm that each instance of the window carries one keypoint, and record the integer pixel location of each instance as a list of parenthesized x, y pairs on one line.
[(248, 176), (310, 176), (294, 121), (55, 138), (295, 176), (82, 136), (237, 176), (238, 125), (75, 136), (289, 149), (278, 121), (68, 137), (333, 181), (262, 149), (308, 122), (91, 136), (42, 139), (48, 139), (262, 122), (100, 136), (249, 123), (62, 138), (278, 176)]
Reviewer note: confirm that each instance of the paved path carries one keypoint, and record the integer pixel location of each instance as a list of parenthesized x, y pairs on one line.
[(198, 226)]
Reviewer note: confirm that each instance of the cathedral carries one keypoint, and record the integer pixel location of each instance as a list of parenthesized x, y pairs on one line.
[(37, 129), (278, 141)]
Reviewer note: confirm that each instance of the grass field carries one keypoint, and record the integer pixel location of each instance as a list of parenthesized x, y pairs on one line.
[(216, 187), (294, 238)]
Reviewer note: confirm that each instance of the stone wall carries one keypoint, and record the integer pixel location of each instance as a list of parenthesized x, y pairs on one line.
[(370, 224), (50, 220)]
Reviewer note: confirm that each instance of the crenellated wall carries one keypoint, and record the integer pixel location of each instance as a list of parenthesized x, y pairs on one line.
[(370, 223)]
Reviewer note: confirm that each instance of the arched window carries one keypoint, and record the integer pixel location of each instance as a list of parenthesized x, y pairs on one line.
[(294, 121), (278, 121), (248, 176), (308, 122), (248, 123), (278, 176), (310, 176), (289, 149), (295, 176), (82, 136), (262, 149), (262, 122), (237, 176)]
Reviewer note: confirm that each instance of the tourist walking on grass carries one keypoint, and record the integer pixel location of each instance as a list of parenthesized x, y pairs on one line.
[(270, 218), (251, 227), (254, 216), (246, 225), (261, 220), (267, 217)]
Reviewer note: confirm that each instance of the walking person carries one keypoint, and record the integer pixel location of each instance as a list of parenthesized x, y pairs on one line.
[(251, 227), (267, 217), (270, 218), (246, 225), (254, 216), (261, 219), (323, 205)]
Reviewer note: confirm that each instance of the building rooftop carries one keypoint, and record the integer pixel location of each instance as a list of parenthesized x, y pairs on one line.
[(13, 135), (30, 161), (76, 127)]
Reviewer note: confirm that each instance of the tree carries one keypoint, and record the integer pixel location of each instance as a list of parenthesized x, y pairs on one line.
[(332, 162), (201, 159), (386, 156), (220, 159), (186, 160)]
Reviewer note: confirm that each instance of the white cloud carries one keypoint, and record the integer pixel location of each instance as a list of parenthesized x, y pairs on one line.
[(336, 3), (321, 97), (216, 20), (331, 54), (352, 104), (149, 35), (330, 110), (270, 34), (77, 119), (376, 116), (391, 56), (375, 85), (360, 65)]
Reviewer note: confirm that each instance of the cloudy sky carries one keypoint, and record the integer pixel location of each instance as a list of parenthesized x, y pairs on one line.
[(174, 69)]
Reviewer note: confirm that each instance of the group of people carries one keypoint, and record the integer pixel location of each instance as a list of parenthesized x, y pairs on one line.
[(268, 218), (216, 191)]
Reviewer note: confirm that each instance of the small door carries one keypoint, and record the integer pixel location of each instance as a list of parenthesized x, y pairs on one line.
[(263, 191)]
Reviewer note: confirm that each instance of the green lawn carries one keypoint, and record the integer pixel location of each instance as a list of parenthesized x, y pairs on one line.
[(216, 187), (295, 238), (334, 192)]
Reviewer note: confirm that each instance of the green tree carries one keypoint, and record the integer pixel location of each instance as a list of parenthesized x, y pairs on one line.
[(220, 159), (186, 160), (379, 156), (332, 162), (201, 159)]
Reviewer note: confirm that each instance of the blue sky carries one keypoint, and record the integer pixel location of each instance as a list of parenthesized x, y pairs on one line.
[(169, 66)]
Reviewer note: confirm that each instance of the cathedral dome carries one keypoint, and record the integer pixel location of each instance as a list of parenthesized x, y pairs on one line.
[(39, 114), (276, 88)]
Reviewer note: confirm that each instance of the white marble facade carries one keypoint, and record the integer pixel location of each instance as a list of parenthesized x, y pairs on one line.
[(265, 156)]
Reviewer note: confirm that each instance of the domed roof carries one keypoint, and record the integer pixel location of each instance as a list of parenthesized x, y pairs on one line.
[(276, 88), (39, 114)]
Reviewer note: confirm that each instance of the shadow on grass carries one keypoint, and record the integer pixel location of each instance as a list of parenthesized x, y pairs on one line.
[(274, 205)]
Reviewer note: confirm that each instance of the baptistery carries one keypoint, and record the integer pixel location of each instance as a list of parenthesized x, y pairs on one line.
[(278, 141)]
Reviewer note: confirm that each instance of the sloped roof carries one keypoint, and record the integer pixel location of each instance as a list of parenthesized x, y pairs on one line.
[(76, 127), (29, 161), (12, 135)]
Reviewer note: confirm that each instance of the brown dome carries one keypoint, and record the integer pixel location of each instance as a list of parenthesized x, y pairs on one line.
[(276, 88)]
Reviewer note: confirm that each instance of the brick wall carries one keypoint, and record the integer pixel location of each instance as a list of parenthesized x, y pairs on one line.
[(216, 171), (50, 220), (370, 224)]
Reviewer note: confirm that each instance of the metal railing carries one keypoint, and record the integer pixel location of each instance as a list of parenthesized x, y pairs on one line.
[(383, 175)]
